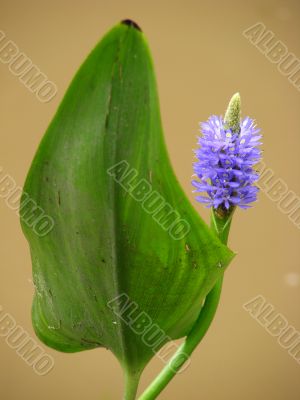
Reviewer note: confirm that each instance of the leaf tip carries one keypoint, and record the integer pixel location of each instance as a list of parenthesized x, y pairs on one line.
[(131, 23)]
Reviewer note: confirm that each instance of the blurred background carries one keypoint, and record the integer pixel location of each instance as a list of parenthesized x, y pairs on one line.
[(201, 59)]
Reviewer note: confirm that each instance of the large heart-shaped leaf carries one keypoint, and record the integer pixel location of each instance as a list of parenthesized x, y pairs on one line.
[(101, 157)]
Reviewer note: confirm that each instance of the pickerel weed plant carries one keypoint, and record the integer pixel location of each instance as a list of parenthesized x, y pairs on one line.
[(129, 265)]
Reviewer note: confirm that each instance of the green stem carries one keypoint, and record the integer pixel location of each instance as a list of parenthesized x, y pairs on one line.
[(220, 225), (197, 333), (131, 386)]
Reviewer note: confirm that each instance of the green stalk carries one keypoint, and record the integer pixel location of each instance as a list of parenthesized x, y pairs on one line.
[(131, 385), (220, 226)]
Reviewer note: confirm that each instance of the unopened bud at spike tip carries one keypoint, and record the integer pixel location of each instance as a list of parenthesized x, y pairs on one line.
[(232, 117)]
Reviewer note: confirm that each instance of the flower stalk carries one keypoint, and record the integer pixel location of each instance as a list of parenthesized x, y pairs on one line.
[(221, 218), (221, 227)]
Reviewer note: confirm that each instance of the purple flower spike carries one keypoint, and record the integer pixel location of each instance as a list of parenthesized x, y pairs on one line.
[(226, 158)]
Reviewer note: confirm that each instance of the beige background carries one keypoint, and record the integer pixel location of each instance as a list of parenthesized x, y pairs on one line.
[(201, 58)]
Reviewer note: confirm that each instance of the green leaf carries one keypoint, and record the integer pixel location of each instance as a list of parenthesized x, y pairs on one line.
[(106, 139)]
